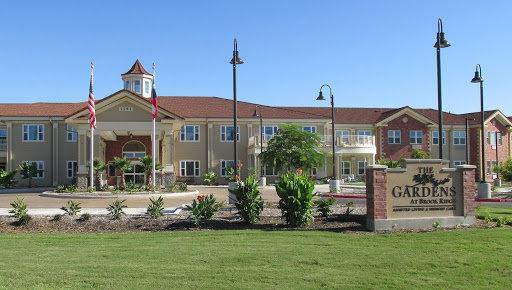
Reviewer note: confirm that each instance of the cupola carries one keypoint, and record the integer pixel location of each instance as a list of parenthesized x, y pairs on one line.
[(138, 80)]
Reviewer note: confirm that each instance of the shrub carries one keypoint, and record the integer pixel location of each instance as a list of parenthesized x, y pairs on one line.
[(155, 207), (296, 198), (209, 178), (85, 217), (177, 187), (56, 217), (133, 187), (390, 163), (231, 175), (115, 209), (350, 208), (7, 178), (28, 171), (72, 208), (324, 206), (203, 208), (20, 211), (249, 202), (63, 188), (504, 170), (420, 154)]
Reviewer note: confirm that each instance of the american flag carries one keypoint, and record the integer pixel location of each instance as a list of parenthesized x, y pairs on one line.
[(154, 102), (91, 103)]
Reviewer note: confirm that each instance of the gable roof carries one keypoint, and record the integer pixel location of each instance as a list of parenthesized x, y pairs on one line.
[(137, 68)]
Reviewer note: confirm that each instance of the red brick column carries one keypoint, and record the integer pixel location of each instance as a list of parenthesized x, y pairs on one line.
[(376, 178), (468, 185)]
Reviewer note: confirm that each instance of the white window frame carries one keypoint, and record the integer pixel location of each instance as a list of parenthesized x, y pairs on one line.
[(392, 135), (40, 133), (40, 168), (146, 87), (127, 85), (266, 173), (365, 163), (135, 86), (224, 166), (413, 136), (343, 167), (459, 162), (275, 129), (183, 168), (71, 172), (3, 140), (343, 135), (223, 133), (71, 132), (183, 133), (456, 135), (310, 129), (493, 135), (433, 138)]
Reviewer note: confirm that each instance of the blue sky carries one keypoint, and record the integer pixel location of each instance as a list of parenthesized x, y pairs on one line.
[(373, 53)]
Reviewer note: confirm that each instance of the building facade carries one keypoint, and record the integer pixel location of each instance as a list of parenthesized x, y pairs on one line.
[(195, 135)]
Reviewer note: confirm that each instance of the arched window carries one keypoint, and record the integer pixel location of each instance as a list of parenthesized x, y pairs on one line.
[(134, 149)]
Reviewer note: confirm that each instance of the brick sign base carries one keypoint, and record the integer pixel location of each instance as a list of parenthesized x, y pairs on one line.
[(421, 195)]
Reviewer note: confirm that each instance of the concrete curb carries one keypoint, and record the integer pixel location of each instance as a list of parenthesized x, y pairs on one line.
[(127, 196), (25, 190), (92, 211)]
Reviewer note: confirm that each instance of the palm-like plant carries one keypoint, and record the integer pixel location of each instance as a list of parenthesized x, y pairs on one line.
[(147, 166), (122, 165), (98, 166), (28, 170)]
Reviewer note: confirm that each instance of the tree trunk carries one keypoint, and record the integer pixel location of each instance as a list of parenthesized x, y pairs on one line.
[(123, 182)]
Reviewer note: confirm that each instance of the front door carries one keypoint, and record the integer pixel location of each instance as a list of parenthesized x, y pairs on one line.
[(135, 174)]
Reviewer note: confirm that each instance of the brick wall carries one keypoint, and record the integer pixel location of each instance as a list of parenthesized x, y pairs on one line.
[(115, 148), (376, 193), (405, 124)]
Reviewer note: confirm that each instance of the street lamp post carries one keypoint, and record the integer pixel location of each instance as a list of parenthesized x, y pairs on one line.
[(321, 98), (441, 42), (467, 139), (259, 115), (235, 60), (484, 189)]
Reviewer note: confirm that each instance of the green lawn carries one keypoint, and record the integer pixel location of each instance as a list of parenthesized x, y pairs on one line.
[(495, 211), (258, 259)]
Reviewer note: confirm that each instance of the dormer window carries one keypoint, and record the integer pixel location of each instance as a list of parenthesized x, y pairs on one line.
[(136, 86), (146, 87), (127, 85)]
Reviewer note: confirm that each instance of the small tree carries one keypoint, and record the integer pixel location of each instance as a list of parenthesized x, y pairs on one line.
[(7, 178), (122, 165), (420, 154), (29, 170), (504, 170), (147, 167), (293, 148), (98, 166)]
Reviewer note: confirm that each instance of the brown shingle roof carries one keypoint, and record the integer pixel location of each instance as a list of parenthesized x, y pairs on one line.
[(137, 68), (476, 116), (40, 109)]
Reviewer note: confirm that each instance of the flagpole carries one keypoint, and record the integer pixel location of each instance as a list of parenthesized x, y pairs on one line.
[(91, 167), (154, 136)]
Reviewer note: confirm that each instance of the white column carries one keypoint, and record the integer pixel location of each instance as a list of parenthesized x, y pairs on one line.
[(82, 149), (9, 166)]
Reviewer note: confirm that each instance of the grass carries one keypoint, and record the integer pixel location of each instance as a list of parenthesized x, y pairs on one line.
[(255, 259), (494, 211)]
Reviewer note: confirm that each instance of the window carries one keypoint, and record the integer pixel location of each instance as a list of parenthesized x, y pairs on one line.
[(361, 167), (227, 133), (269, 132), (491, 138), (134, 149), (3, 139), (416, 136), (189, 168), (269, 171), (111, 170), (345, 167), (146, 87), (72, 167), (72, 134), (33, 132), (40, 168), (491, 165), (127, 85), (394, 137), (459, 137), (342, 135), (189, 133), (310, 129), (136, 86), (459, 162), (435, 137), (225, 165)]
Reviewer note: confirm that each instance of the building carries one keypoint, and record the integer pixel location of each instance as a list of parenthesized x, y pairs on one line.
[(195, 134)]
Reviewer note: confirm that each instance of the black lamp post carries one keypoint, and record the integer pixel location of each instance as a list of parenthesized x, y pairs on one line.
[(467, 139), (234, 61), (441, 42), (321, 98), (259, 115), (478, 79)]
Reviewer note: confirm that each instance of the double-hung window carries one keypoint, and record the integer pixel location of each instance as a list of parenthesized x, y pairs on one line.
[(189, 133), (3, 139), (459, 138), (227, 133), (394, 137), (146, 87), (342, 136), (416, 136), (491, 138), (345, 168), (127, 85), (71, 133), (269, 171), (40, 168), (363, 136), (71, 167), (361, 167), (225, 165), (189, 168), (269, 132), (435, 137), (33, 132), (136, 86), (310, 129)]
